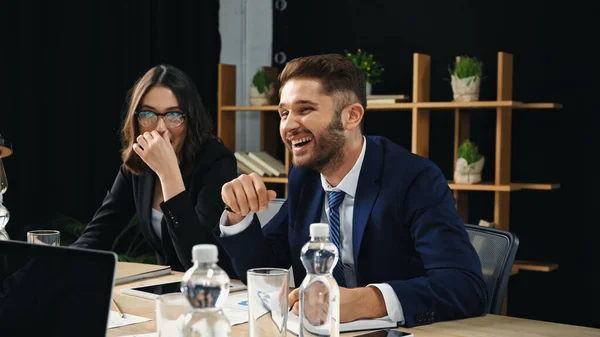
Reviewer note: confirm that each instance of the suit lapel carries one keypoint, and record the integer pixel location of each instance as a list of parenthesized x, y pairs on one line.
[(366, 194), (311, 204)]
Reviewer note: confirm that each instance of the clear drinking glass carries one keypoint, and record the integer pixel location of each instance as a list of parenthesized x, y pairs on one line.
[(44, 237), (267, 301), (171, 310)]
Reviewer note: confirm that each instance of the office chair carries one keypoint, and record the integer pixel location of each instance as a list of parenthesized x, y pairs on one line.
[(265, 216), (274, 206), (496, 250)]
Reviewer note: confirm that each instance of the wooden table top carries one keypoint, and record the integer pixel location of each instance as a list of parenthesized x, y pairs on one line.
[(485, 326)]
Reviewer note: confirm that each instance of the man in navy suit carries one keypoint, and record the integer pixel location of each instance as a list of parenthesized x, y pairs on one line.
[(404, 249)]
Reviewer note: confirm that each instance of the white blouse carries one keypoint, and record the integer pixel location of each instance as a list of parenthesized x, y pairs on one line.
[(156, 222)]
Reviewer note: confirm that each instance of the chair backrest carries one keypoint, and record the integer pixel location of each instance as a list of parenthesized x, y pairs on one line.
[(274, 206), (496, 250), (265, 216)]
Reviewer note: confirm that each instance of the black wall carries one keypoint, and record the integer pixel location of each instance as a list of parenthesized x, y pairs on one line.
[(66, 69), (553, 62)]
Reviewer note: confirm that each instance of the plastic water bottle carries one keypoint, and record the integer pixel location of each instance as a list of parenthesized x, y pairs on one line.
[(206, 287), (319, 292)]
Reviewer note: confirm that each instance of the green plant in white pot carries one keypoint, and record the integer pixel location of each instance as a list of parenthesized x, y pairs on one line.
[(261, 88), (466, 78), (469, 164)]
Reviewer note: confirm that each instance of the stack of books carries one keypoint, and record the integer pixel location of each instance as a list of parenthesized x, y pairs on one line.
[(260, 162), (386, 99)]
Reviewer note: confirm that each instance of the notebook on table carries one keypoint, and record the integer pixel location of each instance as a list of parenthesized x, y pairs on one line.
[(293, 322), (130, 271), (54, 291)]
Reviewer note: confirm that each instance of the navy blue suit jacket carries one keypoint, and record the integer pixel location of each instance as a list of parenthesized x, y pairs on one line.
[(406, 232)]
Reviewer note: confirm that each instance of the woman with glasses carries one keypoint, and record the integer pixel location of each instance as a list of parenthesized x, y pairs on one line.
[(172, 172)]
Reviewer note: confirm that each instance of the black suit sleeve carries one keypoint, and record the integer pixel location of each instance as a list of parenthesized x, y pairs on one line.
[(190, 224), (116, 211)]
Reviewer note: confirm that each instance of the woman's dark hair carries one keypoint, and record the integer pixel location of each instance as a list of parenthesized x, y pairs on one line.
[(199, 123)]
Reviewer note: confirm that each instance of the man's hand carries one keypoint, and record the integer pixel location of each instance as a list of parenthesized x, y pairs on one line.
[(355, 303), (244, 194)]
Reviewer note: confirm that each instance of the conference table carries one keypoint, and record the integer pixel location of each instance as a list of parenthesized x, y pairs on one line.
[(484, 326)]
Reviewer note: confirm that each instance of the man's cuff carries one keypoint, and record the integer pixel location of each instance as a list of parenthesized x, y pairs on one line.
[(234, 229), (392, 303)]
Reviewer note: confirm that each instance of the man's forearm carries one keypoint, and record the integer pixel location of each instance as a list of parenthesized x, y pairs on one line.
[(359, 303)]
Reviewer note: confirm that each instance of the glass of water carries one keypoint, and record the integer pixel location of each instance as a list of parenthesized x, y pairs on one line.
[(267, 301), (171, 310), (44, 237)]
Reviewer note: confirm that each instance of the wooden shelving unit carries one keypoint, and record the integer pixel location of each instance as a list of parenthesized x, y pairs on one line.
[(420, 108)]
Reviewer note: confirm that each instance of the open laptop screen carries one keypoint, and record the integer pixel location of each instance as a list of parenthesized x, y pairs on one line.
[(54, 291)]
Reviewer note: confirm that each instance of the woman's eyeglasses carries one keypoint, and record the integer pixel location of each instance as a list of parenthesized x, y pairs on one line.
[(150, 118)]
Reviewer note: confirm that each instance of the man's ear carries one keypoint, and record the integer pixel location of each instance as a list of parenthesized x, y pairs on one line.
[(353, 114)]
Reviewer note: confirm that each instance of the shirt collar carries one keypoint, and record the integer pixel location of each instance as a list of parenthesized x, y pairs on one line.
[(350, 181)]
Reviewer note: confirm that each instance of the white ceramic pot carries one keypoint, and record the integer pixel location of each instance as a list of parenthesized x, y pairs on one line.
[(468, 174), (466, 89), (256, 98)]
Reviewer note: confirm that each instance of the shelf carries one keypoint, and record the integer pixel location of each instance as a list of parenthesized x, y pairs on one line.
[(534, 266), (276, 180), (485, 186), (489, 186), (422, 105), (249, 108), (541, 187), (482, 187)]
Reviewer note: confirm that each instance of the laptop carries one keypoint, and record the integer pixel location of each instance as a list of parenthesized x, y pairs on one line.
[(54, 291)]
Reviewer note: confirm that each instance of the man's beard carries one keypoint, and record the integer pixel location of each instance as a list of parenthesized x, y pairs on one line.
[(328, 153)]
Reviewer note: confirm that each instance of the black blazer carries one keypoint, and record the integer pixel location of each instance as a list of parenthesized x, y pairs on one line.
[(189, 217)]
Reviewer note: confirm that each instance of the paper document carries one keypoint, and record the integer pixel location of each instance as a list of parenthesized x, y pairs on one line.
[(293, 324), (152, 334), (115, 320), (236, 308), (129, 271)]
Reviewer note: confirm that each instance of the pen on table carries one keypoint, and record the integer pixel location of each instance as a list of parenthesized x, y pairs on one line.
[(119, 308)]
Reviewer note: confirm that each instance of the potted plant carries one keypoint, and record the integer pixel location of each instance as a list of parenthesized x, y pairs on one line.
[(469, 164), (365, 62), (466, 78), (261, 89)]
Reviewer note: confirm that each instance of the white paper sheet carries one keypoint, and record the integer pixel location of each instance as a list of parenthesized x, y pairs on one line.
[(115, 320), (236, 308), (293, 324)]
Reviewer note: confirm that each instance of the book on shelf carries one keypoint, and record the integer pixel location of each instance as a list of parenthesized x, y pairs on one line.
[(243, 158), (243, 168), (386, 99), (130, 271), (276, 167), (259, 162)]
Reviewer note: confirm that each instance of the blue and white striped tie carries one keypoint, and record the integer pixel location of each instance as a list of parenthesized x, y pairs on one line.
[(335, 198)]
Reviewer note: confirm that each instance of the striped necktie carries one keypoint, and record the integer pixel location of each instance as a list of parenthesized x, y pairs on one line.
[(335, 198)]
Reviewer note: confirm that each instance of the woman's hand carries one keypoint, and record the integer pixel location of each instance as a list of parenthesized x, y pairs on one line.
[(157, 152)]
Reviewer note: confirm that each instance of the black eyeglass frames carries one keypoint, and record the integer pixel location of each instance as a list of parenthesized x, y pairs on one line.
[(172, 119)]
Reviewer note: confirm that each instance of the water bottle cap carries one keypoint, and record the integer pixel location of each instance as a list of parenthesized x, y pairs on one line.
[(319, 229), (205, 253)]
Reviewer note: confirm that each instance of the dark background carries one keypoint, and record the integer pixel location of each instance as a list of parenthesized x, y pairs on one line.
[(552, 63), (67, 67)]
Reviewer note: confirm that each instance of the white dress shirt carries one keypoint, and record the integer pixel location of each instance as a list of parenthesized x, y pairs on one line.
[(156, 222), (348, 185)]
